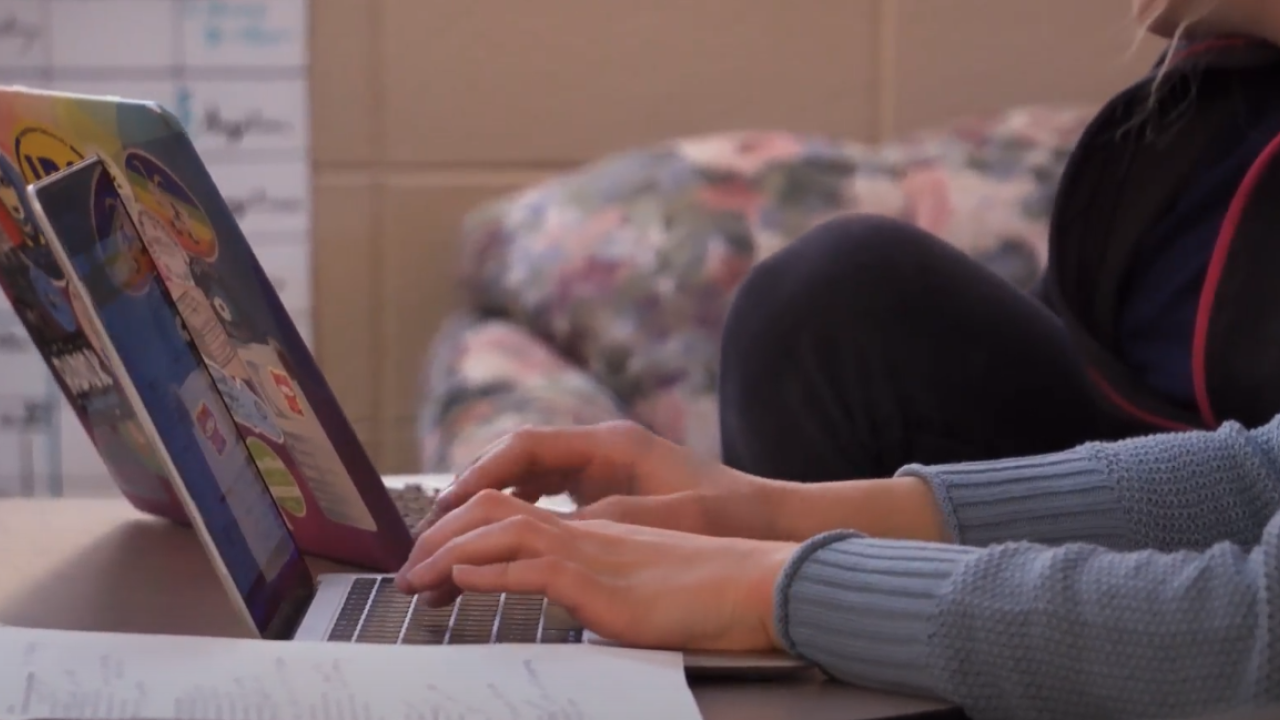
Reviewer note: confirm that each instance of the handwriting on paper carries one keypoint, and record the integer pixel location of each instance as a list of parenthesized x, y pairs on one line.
[(25, 414), (235, 129), (18, 31), (259, 200), (99, 676), (238, 23)]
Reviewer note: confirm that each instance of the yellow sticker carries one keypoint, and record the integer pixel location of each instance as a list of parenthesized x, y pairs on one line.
[(41, 153), (283, 485)]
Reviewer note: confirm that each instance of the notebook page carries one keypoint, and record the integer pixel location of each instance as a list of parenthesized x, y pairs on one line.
[(109, 676)]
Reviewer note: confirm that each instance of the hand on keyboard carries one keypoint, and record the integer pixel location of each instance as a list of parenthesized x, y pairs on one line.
[(640, 586), (621, 472)]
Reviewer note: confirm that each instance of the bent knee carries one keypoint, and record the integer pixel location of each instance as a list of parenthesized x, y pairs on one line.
[(839, 266), (852, 246)]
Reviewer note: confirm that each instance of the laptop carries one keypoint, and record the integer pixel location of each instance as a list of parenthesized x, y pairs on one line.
[(326, 483), (216, 418)]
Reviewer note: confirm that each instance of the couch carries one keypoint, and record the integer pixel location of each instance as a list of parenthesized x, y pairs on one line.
[(600, 294)]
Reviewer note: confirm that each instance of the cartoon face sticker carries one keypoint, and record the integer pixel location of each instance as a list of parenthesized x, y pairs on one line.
[(170, 259), (207, 426), (123, 254), (160, 191), (123, 189), (237, 324)]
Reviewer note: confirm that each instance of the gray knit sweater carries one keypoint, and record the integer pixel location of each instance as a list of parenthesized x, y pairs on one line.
[(1136, 579)]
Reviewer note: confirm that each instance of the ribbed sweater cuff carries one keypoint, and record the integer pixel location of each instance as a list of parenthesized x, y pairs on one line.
[(861, 609), (1051, 499)]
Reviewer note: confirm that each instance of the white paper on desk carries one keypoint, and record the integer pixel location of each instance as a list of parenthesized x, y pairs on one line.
[(109, 676)]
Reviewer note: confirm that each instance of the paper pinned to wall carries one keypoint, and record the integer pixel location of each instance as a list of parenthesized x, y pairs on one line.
[(236, 73), (105, 676)]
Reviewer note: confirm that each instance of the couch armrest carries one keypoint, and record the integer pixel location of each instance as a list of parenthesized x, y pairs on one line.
[(486, 378)]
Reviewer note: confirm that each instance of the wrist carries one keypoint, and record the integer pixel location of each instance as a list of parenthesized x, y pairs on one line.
[(763, 592), (900, 508)]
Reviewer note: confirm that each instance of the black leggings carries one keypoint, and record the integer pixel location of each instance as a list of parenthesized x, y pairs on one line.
[(869, 344)]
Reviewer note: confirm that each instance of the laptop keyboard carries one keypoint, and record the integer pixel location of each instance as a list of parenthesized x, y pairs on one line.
[(376, 612)]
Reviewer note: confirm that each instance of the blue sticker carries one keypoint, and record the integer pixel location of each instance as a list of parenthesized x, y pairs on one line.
[(53, 299), (245, 406)]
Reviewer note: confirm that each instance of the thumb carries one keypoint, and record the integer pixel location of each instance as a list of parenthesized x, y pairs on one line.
[(681, 511)]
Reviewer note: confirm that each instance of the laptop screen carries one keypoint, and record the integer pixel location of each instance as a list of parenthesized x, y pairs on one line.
[(221, 470)]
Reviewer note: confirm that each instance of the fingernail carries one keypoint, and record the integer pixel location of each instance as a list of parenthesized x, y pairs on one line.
[(442, 497)]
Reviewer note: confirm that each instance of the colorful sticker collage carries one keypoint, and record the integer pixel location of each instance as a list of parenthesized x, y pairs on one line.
[(235, 73)]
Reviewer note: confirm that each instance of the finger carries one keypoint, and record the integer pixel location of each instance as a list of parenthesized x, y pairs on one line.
[(529, 495), (548, 461), (437, 506), (564, 583), (682, 511), (484, 509), (516, 538)]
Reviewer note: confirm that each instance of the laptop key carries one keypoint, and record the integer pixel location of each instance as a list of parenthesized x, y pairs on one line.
[(519, 620), (385, 619), (473, 623), (427, 626), (353, 607), (556, 617), (560, 637), (558, 626)]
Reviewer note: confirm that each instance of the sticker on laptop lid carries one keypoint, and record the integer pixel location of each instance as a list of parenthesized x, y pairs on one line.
[(209, 429), (235, 321), (119, 246), (172, 262), (332, 488), (280, 481), (21, 225), (159, 190), (53, 298), (288, 392), (91, 332), (205, 328), (246, 407), (42, 152), (31, 245)]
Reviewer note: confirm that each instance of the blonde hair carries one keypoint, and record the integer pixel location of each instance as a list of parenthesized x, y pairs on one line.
[(1197, 11)]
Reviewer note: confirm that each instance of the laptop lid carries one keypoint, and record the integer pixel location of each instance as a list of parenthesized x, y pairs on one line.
[(320, 474), (123, 305), (38, 297)]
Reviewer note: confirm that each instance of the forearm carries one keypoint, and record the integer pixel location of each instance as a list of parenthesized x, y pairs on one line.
[(1169, 492), (1022, 630), (903, 508)]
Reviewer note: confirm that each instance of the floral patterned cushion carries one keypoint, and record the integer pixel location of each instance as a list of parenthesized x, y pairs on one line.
[(489, 377), (626, 267)]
